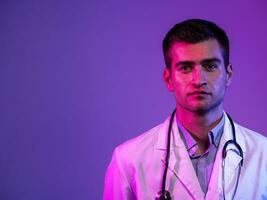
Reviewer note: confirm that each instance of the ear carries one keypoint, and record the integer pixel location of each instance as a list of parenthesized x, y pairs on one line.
[(167, 79), (229, 74)]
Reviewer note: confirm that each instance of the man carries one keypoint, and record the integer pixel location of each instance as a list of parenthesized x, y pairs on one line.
[(203, 155)]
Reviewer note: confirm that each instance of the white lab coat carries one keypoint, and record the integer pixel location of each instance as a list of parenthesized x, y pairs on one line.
[(136, 168)]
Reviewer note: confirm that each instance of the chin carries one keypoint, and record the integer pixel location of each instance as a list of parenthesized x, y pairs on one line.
[(202, 109), (199, 108)]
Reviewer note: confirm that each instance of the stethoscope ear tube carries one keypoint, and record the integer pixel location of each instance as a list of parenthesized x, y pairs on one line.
[(224, 154), (233, 141), (165, 194)]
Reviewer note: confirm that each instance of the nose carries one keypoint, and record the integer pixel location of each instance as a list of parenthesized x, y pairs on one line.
[(199, 77)]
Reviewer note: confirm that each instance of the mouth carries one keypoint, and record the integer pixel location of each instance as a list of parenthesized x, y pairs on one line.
[(199, 93)]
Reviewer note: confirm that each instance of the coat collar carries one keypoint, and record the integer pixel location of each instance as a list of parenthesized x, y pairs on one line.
[(175, 136), (163, 135), (181, 165)]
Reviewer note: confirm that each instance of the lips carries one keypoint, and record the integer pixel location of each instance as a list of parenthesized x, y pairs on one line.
[(198, 93)]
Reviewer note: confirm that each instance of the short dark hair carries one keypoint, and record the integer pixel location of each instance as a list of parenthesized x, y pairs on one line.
[(194, 31)]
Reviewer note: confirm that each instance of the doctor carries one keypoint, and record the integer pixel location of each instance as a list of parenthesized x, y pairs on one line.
[(191, 160)]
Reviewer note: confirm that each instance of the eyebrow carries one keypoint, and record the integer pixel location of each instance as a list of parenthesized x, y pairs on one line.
[(209, 60)]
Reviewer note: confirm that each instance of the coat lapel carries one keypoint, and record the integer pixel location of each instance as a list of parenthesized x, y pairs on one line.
[(180, 164)]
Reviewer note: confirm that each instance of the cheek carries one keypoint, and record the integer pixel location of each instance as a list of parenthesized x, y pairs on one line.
[(180, 83), (179, 86), (220, 84), (180, 79), (218, 79)]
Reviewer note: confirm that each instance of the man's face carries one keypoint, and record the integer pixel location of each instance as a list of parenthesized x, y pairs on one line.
[(198, 77)]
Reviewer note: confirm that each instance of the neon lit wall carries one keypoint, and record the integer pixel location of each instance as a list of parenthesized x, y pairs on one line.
[(80, 77)]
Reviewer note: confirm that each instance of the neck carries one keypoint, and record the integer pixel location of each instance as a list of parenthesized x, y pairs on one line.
[(199, 125)]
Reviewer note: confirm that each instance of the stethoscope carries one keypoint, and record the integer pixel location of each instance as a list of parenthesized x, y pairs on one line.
[(165, 195)]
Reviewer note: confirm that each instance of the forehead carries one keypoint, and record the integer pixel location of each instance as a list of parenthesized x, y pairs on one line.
[(182, 51)]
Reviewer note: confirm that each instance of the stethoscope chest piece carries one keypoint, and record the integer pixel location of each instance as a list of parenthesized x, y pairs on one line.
[(165, 196)]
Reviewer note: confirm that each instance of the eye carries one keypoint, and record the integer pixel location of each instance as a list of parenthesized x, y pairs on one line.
[(185, 68), (210, 67)]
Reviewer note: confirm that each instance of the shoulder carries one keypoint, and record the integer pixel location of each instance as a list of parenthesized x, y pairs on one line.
[(142, 146), (251, 135), (143, 142), (254, 141)]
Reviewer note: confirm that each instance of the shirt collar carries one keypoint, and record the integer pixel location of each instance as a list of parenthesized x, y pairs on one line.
[(191, 144)]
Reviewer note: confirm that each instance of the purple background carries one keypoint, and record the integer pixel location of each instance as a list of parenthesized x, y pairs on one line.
[(80, 77)]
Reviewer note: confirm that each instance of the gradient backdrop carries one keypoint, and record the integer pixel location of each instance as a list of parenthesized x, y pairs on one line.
[(79, 77)]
